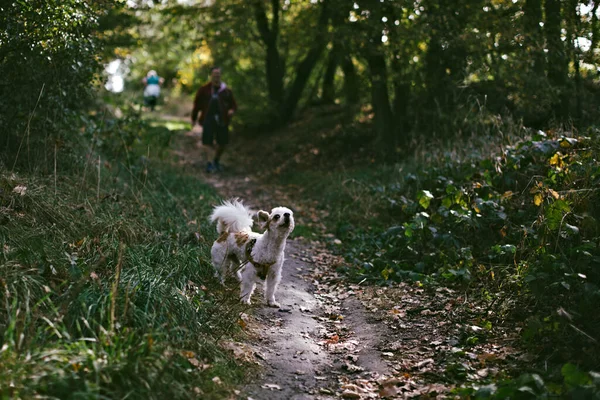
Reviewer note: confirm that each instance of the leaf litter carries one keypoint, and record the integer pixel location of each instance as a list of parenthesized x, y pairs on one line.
[(427, 340)]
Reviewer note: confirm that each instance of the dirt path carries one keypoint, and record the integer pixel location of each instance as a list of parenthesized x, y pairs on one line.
[(332, 338), (317, 345), (295, 366)]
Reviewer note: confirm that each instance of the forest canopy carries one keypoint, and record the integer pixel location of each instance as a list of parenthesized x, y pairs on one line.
[(423, 66)]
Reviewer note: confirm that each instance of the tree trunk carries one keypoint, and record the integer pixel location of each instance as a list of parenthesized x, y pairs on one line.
[(557, 57), (574, 32), (435, 74), (328, 89), (269, 35), (351, 89), (384, 118), (305, 68), (401, 97), (534, 40), (344, 49), (274, 75), (401, 85)]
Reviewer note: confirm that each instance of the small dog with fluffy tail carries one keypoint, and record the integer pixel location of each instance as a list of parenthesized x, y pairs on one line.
[(253, 256)]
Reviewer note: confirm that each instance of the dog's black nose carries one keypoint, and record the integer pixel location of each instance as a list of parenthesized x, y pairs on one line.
[(287, 215)]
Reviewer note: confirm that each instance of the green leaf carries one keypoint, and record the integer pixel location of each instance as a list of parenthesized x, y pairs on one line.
[(526, 389), (573, 376), (596, 377), (486, 391), (574, 230), (447, 201), (555, 213), (509, 248), (538, 381), (424, 198), (385, 273)]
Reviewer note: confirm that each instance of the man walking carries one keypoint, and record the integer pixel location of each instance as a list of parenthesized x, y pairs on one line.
[(216, 105)]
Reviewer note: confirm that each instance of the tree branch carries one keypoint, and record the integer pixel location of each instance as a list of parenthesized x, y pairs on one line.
[(304, 69)]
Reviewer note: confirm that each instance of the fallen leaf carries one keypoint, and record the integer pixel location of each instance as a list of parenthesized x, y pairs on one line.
[(333, 340), (353, 368), (354, 388), (20, 190), (188, 354), (271, 386), (424, 363)]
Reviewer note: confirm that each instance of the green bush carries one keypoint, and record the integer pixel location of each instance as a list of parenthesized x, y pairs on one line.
[(524, 223), (48, 59), (573, 384)]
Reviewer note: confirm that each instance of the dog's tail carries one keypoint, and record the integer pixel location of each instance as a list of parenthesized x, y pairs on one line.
[(231, 216)]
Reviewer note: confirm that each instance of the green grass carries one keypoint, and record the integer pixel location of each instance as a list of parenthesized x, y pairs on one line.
[(304, 231), (106, 290)]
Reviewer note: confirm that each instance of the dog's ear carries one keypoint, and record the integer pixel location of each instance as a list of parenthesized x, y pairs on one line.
[(262, 216)]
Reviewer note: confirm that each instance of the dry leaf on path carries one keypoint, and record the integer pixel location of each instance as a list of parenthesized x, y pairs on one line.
[(271, 386)]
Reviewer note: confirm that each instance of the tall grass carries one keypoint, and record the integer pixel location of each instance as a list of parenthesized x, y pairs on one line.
[(106, 288)]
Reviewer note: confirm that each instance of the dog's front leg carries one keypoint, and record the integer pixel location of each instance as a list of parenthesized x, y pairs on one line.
[(248, 283), (271, 284)]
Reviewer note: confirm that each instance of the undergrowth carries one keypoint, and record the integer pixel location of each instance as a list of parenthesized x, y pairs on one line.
[(106, 285), (509, 214)]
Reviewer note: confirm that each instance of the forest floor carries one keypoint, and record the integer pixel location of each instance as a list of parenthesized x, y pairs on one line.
[(335, 338)]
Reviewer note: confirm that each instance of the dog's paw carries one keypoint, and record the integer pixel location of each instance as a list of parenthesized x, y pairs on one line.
[(246, 302), (274, 304)]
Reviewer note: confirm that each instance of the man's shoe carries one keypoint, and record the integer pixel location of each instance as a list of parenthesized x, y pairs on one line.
[(217, 166), (210, 167)]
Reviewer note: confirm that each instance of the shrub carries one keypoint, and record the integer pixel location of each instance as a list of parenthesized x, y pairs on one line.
[(48, 60)]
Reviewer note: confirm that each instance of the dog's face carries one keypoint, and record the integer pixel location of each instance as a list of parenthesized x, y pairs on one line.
[(280, 220)]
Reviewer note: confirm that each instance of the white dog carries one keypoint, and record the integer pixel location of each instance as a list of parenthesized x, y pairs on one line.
[(254, 256)]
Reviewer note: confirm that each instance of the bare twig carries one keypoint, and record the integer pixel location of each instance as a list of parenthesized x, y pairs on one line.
[(115, 287), (28, 129), (93, 145), (98, 187), (55, 159), (583, 333), (559, 231)]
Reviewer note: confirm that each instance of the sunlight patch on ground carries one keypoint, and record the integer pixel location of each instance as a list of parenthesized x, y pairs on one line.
[(172, 125)]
